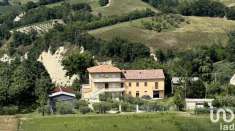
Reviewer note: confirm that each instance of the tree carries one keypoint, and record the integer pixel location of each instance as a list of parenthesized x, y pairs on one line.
[(179, 99), (30, 5), (20, 83), (77, 63), (43, 86), (5, 76), (160, 55), (231, 47)]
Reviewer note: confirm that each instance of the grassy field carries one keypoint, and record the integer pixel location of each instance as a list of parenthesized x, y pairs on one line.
[(199, 31), (117, 7), (140, 122)]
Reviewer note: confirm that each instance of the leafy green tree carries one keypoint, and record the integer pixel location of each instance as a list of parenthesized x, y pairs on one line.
[(5, 76), (179, 99), (231, 47), (43, 86), (20, 83), (77, 63)]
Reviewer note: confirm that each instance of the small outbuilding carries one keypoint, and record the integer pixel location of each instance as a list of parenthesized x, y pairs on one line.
[(192, 104), (61, 94)]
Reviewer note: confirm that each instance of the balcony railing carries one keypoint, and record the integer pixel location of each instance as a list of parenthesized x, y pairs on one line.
[(107, 80)]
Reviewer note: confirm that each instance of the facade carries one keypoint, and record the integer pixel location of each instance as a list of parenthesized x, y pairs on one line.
[(137, 83), (102, 79), (61, 94), (140, 83)]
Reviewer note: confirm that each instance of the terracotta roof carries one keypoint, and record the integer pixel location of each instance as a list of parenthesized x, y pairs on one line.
[(63, 89), (103, 68), (143, 74)]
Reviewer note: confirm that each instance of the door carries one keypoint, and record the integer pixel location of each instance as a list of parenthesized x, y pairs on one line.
[(156, 94)]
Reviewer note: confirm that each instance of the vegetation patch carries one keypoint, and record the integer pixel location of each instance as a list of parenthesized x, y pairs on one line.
[(140, 122)]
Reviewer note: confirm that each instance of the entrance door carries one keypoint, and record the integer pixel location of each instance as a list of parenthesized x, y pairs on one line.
[(156, 94), (106, 85)]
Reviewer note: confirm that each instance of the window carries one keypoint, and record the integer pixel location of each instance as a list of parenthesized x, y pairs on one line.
[(137, 84), (137, 94), (106, 85), (156, 85), (145, 83), (129, 84), (122, 85), (129, 92)]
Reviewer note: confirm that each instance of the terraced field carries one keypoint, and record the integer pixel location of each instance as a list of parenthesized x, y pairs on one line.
[(199, 31)]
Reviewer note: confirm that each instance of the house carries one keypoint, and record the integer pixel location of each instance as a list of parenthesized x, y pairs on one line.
[(61, 94), (110, 79), (103, 78), (192, 104), (140, 83)]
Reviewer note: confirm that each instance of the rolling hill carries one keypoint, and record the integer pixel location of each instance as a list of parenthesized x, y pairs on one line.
[(199, 31)]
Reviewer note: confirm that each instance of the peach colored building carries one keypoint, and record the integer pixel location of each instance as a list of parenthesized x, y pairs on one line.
[(137, 83)]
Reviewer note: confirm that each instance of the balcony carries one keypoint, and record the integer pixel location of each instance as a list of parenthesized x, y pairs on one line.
[(114, 89), (100, 80)]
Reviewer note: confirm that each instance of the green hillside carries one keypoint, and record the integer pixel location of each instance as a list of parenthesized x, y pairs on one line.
[(199, 31), (116, 7)]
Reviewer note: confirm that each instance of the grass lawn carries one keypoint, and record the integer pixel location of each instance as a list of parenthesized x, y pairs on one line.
[(131, 122), (200, 31)]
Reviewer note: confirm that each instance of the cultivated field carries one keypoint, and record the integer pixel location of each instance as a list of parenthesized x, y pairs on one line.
[(199, 31), (140, 122)]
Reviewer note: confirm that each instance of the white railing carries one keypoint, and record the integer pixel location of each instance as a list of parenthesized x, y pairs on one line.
[(107, 80)]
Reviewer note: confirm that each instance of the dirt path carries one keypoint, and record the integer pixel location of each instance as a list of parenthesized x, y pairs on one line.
[(8, 123)]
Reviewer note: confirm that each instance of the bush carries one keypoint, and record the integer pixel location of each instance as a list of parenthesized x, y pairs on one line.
[(126, 107), (9, 110), (64, 108), (80, 103), (146, 97), (202, 110), (105, 97), (84, 109), (102, 107), (46, 109)]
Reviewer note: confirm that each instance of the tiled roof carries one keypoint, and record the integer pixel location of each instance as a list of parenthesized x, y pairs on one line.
[(63, 89), (103, 68), (143, 74)]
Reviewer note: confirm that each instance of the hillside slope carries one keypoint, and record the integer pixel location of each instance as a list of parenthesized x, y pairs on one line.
[(199, 31)]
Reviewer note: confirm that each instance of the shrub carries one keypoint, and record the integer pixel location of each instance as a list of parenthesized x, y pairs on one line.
[(105, 96), (102, 107), (46, 109), (64, 108), (146, 97), (84, 109), (126, 107), (202, 110), (80, 103), (9, 110)]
